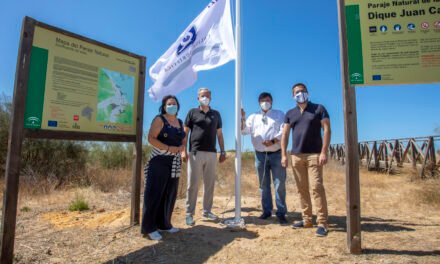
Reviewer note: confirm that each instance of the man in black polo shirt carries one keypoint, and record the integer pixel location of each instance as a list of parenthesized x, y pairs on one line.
[(309, 154), (204, 126)]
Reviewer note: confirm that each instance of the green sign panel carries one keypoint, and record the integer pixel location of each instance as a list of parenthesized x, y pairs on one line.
[(393, 42), (78, 85)]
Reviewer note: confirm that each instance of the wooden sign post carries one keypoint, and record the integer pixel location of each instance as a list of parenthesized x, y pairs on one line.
[(365, 35), (351, 143), (10, 194)]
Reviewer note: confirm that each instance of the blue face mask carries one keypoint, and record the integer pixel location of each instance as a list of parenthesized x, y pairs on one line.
[(171, 109), (301, 97)]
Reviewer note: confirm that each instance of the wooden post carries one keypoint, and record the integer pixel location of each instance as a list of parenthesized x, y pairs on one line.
[(342, 155), (372, 155), (377, 156), (332, 152), (137, 150), (367, 146), (10, 194), (426, 157), (432, 157), (413, 154), (398, 151), (351, 142), (405, 155), (385, 154), (393, 153)]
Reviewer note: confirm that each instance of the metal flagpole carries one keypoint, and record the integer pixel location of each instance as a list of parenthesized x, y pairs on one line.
[(237, 113), (237, 221)]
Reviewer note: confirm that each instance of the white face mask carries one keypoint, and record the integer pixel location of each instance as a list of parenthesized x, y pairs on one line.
[(301, 97), (265, 106), (204, 101)]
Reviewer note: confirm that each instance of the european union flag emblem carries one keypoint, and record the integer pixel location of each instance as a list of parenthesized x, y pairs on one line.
[(377, 77), (52, 123)]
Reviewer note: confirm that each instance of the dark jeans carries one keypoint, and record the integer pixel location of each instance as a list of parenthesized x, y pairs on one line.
[(159, 196), (265, 163)]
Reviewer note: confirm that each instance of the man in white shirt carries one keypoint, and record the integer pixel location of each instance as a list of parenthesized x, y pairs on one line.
[(265, 128)]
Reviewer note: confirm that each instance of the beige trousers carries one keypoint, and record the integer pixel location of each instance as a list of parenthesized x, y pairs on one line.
[(306, 167), (201, 165)]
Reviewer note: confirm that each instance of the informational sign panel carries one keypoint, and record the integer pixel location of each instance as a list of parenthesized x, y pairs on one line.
[(76, 85), (393, 41), (71, 87)]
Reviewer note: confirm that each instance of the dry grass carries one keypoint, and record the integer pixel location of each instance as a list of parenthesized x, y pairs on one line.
[(395, 223), (112, 180), (104, 180), (30, 180), (38, 193), (109, 180), (225, 177), (427, 192)]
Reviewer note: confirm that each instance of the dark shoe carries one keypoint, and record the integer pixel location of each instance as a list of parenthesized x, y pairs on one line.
[(301, 224), (265, 215), (321, 231), (282, 219)]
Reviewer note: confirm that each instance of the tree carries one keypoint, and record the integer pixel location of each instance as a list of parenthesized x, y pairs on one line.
[(5, 118)]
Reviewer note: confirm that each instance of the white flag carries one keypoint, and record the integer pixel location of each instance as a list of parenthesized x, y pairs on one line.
[(205, 44)]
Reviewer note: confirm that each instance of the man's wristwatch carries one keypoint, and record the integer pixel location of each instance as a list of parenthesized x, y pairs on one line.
[(222, 152)]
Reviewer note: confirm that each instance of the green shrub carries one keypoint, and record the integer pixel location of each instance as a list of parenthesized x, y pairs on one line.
[(111, 155), (78, 204), (17, 258), (5, 117), (115, 155), (42, 158), (25, 209), (60, 161)]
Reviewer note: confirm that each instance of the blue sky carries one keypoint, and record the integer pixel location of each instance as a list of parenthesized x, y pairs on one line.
[(284, 42)]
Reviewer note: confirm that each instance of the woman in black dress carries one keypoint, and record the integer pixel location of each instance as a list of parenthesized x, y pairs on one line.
[(162, 172)]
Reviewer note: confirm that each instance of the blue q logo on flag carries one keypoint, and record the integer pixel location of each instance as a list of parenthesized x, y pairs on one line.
[(207, 43), (187, 40)]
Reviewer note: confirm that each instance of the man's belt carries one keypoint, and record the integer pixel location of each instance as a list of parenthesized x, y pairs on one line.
[(269, 152)]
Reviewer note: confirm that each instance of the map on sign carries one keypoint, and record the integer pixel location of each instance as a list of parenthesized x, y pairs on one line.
[(115, 97)]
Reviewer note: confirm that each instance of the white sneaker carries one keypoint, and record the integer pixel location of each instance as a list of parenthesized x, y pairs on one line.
[(172, 230), (209, 216), (155, 236)]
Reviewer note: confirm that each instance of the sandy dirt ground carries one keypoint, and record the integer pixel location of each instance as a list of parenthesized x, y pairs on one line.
[(397, 228)]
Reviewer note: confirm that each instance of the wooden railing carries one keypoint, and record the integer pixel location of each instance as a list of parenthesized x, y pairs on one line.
[(391, 154)]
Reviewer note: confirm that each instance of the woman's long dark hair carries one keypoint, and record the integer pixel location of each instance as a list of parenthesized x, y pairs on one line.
[(164, 102)]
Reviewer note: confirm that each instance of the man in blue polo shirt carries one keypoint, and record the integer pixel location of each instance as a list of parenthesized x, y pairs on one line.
[(309, 155)]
